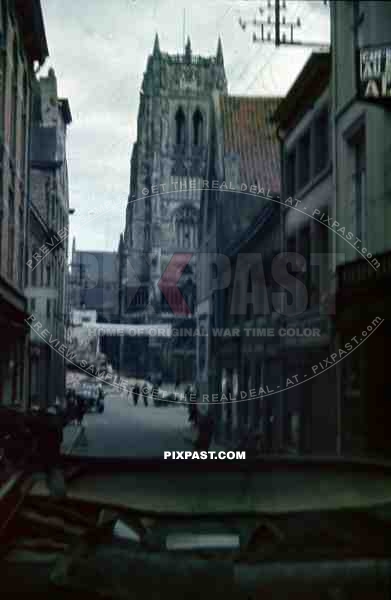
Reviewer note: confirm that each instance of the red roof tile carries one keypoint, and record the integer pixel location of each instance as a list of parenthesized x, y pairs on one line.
[(249, 132)]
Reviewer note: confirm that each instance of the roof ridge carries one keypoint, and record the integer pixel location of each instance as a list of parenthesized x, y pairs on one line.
[(100, 251), (243, 96), (249, 132)]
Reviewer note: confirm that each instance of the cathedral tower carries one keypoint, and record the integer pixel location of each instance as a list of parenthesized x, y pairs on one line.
[(175, 121)]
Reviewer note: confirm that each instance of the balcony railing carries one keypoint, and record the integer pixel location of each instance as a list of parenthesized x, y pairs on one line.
[(192, 60)]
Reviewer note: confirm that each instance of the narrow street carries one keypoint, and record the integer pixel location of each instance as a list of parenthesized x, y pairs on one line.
[(125, 430)]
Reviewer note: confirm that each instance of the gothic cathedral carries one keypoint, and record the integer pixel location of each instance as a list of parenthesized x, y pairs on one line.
[(172, 156)]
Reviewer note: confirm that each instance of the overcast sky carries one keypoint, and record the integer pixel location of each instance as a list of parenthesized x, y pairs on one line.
[(99, 49)]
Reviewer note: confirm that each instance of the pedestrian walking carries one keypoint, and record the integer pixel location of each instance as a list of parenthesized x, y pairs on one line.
[(155, 394), (72, 407), (145, 393), (80, 410), (193, 414), (192, 406), (205, 424), (136, 392)]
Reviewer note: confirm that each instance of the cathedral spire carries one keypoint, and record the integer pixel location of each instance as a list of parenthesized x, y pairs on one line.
[(156, 46), (188, 50), (219, 55)]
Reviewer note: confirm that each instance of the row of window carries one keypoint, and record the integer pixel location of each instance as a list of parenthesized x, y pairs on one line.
[(252, 298), (18, 102), (198, 133), (357, 159), (51, 307), (311, 243), (55, 213), (186, 230), (14, 106), (309, 156), (54, 274), (15, 238)]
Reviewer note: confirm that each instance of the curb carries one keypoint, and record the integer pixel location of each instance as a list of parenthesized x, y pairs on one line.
[(74, 441), (191, 435)]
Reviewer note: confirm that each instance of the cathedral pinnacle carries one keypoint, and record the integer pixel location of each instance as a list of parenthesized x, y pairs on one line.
[(156, 46), (219, 55), (188, 50)]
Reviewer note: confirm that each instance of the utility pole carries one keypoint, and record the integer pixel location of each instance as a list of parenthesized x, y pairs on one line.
[(277, 21), (278, 30)]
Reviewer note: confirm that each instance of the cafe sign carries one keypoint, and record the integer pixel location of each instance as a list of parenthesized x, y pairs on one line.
[(374, 71)]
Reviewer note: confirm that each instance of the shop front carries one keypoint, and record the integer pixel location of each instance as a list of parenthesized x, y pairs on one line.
[(13, 349), (363, 322)]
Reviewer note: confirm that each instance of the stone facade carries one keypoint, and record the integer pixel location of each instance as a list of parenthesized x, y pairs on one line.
[(48, 239), (22, 45), (361, 203), (308, 420)]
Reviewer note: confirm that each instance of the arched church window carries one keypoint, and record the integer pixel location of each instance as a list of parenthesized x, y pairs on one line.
[(198, 128), (180, 126), (186, 225), (148, 209)]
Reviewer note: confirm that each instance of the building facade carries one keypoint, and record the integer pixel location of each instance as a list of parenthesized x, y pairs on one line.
[(361, 40), (94, 286), (94, 282), (22, 47), (48, 228), (309, 416), (333, 127), (241, 228)]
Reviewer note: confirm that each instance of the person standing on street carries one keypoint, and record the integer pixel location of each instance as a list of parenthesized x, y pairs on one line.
[(155, 394), (136, 392), (192, 406), (145, 393), (80, 410), (205, 424)]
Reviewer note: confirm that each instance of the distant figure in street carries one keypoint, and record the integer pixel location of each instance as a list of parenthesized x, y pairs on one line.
[(69, 399), (136, 392), (80, 410), (155, 394), (193, 414), (192, 406), (252, 443), (187, 393), (205, 432), (145, 393)]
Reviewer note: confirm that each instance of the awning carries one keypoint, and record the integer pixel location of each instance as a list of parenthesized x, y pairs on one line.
[(364, 271), (12, 315)]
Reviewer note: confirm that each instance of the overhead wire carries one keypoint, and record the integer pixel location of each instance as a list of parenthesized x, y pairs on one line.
[(303, 9), (249, 63)]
